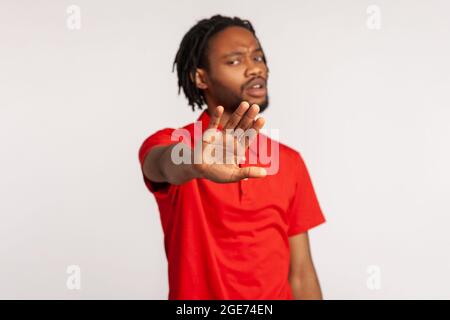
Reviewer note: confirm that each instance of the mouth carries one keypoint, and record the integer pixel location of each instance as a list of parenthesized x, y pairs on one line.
[(256, 92), (257, 88)]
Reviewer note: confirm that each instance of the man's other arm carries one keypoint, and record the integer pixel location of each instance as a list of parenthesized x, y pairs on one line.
[(302, 274)]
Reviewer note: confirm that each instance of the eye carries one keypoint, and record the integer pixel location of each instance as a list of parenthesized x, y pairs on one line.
[(233, 62), (259, 58)]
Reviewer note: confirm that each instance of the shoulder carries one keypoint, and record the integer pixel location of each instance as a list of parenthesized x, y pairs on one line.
[(161, 135), (164, 136), (288, 154)]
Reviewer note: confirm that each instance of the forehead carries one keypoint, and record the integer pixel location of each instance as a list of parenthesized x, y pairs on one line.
[(231, 39)]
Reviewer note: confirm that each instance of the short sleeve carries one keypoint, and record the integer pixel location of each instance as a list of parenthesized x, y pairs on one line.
[(304, 211), (159, 138)]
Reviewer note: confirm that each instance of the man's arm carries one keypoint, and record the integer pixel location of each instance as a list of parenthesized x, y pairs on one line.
[(159, 167), (302, 274)]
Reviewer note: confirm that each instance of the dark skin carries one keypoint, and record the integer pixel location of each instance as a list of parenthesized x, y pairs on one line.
[(235, 59)]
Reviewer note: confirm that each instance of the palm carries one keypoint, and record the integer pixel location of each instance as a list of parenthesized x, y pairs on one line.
[(223, 150), (227, 169)]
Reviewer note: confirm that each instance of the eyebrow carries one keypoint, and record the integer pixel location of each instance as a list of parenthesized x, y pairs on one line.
[(240, 53)]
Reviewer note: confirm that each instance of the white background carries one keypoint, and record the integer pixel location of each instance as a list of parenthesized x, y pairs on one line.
[(368, 109)]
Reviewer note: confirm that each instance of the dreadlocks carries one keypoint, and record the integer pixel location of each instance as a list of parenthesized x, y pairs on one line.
[(193, 54)]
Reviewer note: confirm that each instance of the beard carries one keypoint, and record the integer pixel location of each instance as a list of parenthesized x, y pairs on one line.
[(231, 101)]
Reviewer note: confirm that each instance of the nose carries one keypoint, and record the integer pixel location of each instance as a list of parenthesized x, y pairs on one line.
[(254, 68)]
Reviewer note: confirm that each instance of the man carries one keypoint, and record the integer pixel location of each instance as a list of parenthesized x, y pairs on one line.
[(232, 230)]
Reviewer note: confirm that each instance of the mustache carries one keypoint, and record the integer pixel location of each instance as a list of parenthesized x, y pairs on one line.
[(247, 84)]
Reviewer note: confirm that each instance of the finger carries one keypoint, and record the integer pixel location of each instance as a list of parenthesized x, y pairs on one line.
[(248, 118), (215, 118), (237, 115), (254, 130), (259, 123), (249, 172)]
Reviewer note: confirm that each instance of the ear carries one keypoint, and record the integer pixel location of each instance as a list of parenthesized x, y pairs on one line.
[(200, 79)]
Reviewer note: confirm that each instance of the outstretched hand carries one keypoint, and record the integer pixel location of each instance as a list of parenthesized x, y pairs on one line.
[(223, 150)]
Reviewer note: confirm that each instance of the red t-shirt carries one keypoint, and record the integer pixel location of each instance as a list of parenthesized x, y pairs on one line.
[(231, 241)]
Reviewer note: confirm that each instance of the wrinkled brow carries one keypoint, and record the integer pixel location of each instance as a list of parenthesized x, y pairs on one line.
[(240, 53)]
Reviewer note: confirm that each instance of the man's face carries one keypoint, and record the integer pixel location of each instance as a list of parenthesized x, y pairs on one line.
[(237, 71)]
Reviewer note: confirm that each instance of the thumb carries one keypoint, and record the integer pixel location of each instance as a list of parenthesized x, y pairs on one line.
[(251, 172)]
